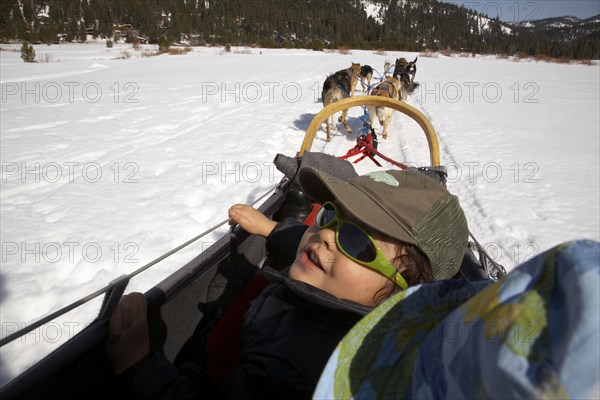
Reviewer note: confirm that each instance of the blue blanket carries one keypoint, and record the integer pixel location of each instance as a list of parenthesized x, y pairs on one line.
[(533, 334)]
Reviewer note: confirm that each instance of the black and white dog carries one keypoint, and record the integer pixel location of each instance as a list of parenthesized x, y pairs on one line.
[(405, 71), (366, 72), (411, 69), (405, 67)]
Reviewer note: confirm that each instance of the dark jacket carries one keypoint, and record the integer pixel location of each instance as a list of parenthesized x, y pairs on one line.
[(289, 333)]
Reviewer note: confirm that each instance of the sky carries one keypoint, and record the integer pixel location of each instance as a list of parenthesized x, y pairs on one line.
[(517, 11), (110, 158)]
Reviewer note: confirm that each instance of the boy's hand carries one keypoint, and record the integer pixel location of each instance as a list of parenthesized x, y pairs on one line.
[(251, 220), (128, 340)]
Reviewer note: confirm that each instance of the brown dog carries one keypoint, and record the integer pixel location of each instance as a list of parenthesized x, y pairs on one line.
[(391, 88), (400, 66), (336, 87)]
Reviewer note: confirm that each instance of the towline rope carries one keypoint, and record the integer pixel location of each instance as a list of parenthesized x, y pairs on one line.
[(34, 325)]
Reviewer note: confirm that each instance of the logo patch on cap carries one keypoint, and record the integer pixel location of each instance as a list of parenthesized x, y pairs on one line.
[(384, 177)]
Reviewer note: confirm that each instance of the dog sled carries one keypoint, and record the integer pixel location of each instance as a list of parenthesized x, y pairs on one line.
[(202, 303)]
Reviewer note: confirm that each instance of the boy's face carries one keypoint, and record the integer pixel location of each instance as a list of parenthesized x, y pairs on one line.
[(321, 264)]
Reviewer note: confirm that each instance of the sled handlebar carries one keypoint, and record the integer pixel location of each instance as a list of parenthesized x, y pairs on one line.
[(377, 101)]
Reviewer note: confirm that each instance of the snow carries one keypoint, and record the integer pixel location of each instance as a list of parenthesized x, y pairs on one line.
[(558, 25), (108, 163), (375, 11), (484, 25)]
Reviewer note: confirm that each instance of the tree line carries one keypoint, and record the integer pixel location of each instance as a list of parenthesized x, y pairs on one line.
[(406, 25)]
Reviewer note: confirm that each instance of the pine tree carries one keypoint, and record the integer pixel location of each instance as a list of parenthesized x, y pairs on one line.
[(81, 33), (27, 52), (317, 45), (163, 44), (28, 12)]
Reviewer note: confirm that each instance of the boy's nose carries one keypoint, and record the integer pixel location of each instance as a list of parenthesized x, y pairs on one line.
[(327, 238)]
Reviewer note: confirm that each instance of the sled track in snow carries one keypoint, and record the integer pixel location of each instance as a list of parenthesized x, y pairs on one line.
[(467, 193)]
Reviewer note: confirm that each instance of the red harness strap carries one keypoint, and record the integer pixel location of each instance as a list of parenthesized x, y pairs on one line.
[(365, 147)]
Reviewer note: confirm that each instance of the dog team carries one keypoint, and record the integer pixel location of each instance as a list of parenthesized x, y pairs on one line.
[(343, 83)]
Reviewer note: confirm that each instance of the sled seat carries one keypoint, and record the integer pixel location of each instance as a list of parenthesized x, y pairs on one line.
[(222, 350)]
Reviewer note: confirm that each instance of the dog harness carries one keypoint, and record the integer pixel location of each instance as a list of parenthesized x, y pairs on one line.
[(385, 87)]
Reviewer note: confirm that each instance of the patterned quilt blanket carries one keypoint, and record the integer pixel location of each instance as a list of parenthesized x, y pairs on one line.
[(533, 334)]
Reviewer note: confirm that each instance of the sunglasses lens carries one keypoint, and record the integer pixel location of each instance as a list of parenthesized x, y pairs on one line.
[(325, 215), (356, 243)]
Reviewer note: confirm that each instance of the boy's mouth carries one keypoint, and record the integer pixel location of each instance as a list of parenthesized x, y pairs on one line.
[(313, 258)]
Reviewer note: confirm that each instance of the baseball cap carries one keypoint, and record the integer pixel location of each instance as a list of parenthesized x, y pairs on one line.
[(404, 205)]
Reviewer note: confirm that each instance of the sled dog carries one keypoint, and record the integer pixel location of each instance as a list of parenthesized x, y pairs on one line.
[(411, 69), (366, 72), (336, 87), (387, 66), (405, 71), (391, 87)]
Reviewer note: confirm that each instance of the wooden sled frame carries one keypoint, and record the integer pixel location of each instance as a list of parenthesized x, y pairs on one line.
[(377, 101)]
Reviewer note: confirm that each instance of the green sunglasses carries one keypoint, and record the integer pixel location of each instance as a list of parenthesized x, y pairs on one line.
[(357, 244)]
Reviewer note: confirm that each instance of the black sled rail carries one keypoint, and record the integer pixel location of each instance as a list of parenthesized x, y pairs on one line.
[(169, 310)]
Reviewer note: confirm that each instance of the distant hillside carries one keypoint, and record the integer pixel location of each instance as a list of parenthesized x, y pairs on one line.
[(369, 24), (565, 29)]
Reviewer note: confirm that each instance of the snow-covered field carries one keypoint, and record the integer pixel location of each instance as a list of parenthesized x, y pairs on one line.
[(109, 162)]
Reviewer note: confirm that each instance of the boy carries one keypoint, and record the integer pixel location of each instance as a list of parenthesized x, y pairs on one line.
[(375, 235)]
